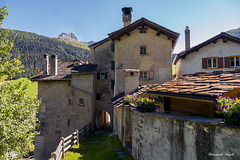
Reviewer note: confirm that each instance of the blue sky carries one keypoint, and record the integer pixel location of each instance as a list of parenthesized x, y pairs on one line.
[(94, 19)]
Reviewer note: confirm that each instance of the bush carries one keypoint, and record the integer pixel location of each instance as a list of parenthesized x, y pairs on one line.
[(128, 99), (229, 108), (145, 104)]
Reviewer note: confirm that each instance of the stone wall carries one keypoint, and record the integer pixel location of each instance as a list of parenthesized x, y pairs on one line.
[(158, 136)]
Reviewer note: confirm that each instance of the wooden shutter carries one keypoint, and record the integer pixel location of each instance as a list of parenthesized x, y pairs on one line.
[(227, 62), (112, 84), (98, 75), (113, 65), (113, 47), (220, 62), (105, 75), (151, 75), (204, 63), (98, 96)]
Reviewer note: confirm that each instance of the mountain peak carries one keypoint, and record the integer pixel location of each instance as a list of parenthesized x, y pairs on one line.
[(68, 36)]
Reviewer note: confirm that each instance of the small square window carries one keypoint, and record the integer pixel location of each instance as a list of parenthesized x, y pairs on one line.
[(102, 75), (100, 96), (81, 102), (143, 75), (143, 50)]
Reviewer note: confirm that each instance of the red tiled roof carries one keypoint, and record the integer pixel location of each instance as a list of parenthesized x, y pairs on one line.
[(211, 84)]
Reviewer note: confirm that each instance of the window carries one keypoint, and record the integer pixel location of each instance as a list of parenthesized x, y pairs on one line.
[(235, 61), (81, 102), (143, 75), (143, 50), (102, 75), (212, 62), (100, 96), (69, 101)]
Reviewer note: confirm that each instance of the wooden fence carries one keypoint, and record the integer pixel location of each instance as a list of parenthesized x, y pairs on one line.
[(67, 142)]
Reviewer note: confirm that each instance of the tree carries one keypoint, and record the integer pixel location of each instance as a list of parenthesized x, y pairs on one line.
[(17, 109)]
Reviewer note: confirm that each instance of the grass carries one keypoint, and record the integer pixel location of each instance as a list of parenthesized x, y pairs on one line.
[(33, 86), (97, 147)]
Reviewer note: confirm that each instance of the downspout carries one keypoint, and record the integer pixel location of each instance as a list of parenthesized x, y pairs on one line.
[(92, 119)]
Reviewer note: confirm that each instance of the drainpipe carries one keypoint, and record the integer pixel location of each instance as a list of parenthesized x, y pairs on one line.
[(92, 112)]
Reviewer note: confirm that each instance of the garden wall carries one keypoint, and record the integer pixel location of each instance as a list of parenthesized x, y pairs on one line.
[(158, 136)]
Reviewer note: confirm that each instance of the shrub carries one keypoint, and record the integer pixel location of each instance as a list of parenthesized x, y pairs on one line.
[(145, 104), (128, 99), (229, 108)]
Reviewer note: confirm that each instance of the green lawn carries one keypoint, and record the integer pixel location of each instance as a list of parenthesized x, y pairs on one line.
[(93, 147)]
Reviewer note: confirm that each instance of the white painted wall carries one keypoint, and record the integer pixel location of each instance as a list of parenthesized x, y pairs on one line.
[(193, 62)]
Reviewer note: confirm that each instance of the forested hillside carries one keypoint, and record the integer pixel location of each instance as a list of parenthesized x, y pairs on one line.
[(31, 48)]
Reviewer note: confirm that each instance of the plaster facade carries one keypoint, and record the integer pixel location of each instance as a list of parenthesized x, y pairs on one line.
[(157, 58), (103, 56), (60, 111), (193, 62)]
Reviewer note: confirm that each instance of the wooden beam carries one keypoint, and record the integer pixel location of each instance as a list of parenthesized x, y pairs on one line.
[(128, 33), (169, 37), (118, 38), (215, 41), (158, 32), (225, 40)]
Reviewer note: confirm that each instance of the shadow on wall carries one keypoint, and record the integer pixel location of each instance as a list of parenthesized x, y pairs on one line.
[(103, 120)]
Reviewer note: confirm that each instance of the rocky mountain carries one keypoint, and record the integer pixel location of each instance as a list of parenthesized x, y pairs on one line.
[(68, 36), (234, 32), (88, 42), (31, 47), (72, 37)]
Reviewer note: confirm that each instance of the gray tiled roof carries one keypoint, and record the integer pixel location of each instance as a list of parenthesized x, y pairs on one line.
[(65, 69)]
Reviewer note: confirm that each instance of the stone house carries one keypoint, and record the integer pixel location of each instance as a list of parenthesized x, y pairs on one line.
[(74, 94), (220, 52), (142, 45), (67, 104)]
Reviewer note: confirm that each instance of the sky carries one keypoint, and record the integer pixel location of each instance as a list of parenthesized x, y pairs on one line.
[(94, 19)]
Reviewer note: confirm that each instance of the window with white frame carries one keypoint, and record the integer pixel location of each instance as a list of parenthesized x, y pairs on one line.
[(143, 75), (212, 62), (235, 62), (81, 102)]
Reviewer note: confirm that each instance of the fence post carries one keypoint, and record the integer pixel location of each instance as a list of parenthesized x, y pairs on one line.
[(77, 136), (85, 129), (53, 155), (62, 139)]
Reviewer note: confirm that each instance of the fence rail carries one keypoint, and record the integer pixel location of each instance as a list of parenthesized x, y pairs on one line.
[(67, 142)]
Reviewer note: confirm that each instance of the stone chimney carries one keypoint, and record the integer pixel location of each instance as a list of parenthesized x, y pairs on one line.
[(187, 38), (131, 80), (53, 65), (127, 16), (46, 65)]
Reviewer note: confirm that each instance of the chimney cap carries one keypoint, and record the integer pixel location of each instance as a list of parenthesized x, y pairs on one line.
[(45, 55), (53, 56), (187, 28), (127, 10)]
